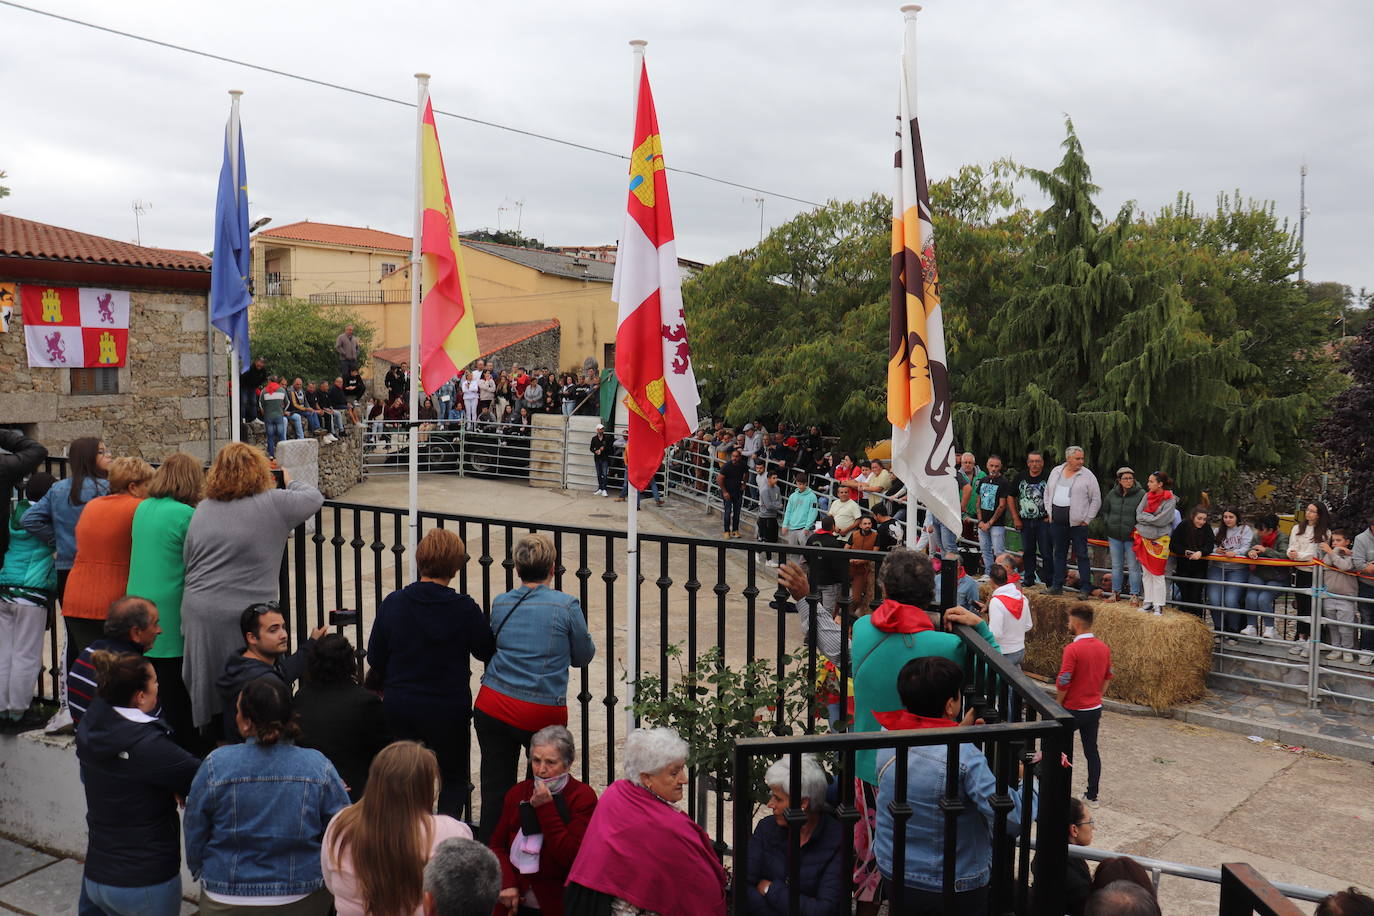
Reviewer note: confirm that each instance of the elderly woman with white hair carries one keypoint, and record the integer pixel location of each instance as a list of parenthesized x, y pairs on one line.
[(542, 824), (642, 856), (822, 885)]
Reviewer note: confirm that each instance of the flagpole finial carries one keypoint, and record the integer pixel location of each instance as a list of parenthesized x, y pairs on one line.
[(638, 45), (236, 92), (911, 9), (422, 77)]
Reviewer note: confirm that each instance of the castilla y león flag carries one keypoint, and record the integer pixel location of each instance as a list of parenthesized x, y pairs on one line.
[(917, 379), (448, 328), (70, 328), (652, 358)]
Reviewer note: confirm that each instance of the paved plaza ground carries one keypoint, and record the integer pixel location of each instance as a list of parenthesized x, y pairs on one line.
[(1171, 790)]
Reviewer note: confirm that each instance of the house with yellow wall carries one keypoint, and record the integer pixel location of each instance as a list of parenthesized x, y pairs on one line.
[(368, 271)]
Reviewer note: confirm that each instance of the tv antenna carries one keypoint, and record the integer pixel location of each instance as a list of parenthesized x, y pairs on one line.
[(139, 209)]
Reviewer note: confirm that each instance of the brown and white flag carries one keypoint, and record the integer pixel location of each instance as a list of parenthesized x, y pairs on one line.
[(918, 402)]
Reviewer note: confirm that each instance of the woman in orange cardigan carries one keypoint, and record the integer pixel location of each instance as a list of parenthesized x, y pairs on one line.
[(104, 537)]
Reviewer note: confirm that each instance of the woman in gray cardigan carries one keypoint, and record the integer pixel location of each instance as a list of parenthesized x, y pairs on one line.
[(1154, 520), (233, 558)]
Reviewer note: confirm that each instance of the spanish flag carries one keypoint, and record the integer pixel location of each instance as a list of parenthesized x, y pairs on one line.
[(918, 402), (652, 357), (448, 329)]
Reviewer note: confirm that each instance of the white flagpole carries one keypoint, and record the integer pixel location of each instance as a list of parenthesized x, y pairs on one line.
[(412, 532), (631, 491), (235, 383), (909, 11)]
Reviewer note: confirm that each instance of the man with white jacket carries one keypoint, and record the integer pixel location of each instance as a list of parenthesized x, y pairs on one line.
[(1009, 615), (1073, 498)]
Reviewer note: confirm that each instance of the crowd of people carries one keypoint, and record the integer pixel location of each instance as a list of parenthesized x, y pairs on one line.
[(287, 406), (1221, 566), (308, 788)]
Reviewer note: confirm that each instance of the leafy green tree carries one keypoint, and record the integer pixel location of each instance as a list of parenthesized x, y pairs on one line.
[(796, 328), (1348, 432), (1101, 348), (4, 191), (296, 337)]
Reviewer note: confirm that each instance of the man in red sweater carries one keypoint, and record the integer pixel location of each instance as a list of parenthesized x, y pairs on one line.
[(1083, 675)]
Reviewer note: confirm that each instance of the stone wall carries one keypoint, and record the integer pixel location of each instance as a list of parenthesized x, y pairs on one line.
[(161, 405), (341, 464), (541, 350)]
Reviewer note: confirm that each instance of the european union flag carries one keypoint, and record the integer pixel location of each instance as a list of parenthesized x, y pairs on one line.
[(229, 296)]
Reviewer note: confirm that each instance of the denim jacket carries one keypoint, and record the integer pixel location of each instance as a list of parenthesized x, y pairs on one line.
[(925, 831), (255, 818), (540, 633), (53, 518)]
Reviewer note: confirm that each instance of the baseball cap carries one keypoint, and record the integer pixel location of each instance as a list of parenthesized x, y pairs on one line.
[(1125, 470), (601, 426)]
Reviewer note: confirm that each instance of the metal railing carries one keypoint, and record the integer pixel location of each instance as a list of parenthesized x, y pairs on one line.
[(1159, 868), (1244, 891), (1018, 720)]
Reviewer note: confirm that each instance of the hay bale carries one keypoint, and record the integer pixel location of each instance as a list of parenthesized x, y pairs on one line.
[(1159, 662)]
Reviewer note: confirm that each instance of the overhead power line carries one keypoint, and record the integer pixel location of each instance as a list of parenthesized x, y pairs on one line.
[(286, 74)]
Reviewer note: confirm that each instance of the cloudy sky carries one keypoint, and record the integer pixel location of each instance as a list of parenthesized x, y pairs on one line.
[(796, 98)]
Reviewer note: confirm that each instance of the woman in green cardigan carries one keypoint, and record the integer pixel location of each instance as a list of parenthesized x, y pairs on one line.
[(158, 573)]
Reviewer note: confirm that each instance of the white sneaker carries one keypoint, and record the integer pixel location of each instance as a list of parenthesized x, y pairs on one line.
[(1248, 631), (1333, 655), (1269, 633), (1305, 652), (1091, 802), (61, 723), (772, 563), (1231, 642), (1347, 656), (1298, 650), (1148, 608), (1367, 659), (600, 493), (1157, 611)]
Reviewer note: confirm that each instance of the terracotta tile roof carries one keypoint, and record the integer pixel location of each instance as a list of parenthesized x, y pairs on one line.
[(331, 234), (24, 238), (491, 338)]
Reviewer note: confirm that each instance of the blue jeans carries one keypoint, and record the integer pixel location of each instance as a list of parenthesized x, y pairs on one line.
[(276, 431), (1061, 536), (248, 405), (1216, 596), (653, 487), (992, 542), (294, 419), (1124, 551), (942, 540), (1235, 575), (1035, 542), (154, 900), (1262, 600), (729, 515), (603, 472)]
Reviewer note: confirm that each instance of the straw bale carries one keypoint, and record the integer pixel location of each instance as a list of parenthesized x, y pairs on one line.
[(1159, 662)]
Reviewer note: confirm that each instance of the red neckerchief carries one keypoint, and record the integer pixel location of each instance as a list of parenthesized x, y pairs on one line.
[(1014, 578), (1268, 540), (1155, 498), (1014, 606), (901, 720), (895, 617)]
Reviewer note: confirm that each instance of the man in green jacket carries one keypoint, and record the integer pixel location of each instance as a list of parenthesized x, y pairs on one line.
[(1118, 517), (899, 630)]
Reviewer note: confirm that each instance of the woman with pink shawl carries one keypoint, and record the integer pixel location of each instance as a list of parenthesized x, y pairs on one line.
[(642, 856)]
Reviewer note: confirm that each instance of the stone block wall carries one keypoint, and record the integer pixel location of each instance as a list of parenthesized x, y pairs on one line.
[(161, 405), (532, 352)]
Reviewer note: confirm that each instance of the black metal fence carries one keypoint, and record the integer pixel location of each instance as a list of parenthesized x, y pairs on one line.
[(1019, 720)]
